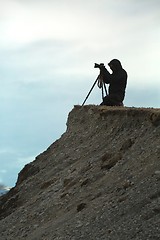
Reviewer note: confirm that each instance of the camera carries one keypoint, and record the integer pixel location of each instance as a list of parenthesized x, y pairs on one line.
[(96, 65)]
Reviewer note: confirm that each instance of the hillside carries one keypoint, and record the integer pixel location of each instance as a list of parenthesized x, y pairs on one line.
[(100, 180)]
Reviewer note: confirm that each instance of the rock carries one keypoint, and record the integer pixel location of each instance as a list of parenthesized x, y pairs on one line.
[(100, 180)]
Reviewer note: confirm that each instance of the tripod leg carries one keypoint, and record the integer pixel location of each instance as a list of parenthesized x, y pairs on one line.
[(105, 88), (90, 92), (102, 91)]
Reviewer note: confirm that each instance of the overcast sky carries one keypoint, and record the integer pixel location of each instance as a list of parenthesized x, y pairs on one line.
[(47, 53)]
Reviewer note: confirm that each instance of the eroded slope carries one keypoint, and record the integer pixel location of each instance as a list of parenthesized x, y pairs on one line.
[(100, 180)]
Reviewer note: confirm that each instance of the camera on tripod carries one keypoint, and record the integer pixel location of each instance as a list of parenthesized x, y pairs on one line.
[(101, 65), (101, 83)]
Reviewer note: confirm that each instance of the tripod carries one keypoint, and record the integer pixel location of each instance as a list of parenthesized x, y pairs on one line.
[(101, 85)]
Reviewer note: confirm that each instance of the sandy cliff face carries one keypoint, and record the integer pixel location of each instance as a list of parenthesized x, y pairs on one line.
[(100, 180)]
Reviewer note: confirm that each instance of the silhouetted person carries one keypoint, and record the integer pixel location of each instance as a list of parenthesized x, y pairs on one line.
[(117, 83)]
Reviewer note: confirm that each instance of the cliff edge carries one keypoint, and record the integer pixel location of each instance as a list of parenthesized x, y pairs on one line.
[(100, 180)]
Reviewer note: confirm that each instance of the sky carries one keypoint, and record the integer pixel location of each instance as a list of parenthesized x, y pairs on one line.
[(47, 55)]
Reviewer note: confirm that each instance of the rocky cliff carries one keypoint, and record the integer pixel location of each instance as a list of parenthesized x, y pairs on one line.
[(100, 180)]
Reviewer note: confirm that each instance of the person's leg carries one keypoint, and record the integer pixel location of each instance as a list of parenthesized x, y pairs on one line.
[(110, 101)]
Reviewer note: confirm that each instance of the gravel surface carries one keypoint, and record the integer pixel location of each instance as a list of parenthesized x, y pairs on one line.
[(100, 180)]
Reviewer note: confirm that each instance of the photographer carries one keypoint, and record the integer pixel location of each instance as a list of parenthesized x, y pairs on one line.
[(117, 82)]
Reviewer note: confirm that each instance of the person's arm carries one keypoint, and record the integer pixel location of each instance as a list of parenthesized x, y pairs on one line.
[(114, 77), (106, 76)]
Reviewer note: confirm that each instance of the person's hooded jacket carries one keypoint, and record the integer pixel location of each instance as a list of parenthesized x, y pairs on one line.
[(117, 80)]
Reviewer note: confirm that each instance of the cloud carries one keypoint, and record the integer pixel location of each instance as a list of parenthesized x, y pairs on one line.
[(25, 22), (2, 187), (3, 151), (3, 171)]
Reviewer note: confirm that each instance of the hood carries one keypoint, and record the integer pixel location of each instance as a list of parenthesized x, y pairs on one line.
[(115, 64)]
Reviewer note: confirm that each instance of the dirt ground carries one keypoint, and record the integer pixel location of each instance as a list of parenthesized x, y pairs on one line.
[(100, 180)]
